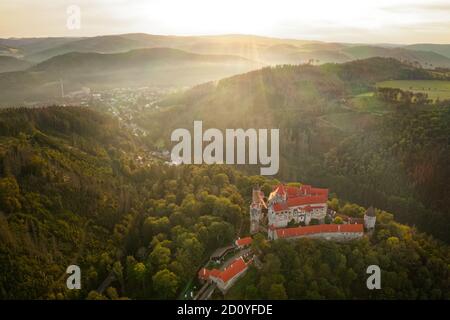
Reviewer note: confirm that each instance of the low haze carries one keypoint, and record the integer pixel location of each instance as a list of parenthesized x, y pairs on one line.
[(399, 21)]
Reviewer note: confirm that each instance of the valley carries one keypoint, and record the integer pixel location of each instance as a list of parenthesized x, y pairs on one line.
[(36, 66), (71, 179), (86, 174)]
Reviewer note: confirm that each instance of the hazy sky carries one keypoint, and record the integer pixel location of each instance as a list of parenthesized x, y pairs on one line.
[(375, 21)]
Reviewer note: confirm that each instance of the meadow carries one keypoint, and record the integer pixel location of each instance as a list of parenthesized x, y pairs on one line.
[(434, 88)]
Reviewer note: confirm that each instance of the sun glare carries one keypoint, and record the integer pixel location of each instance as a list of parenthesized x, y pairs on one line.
[(328, 20), (283, 18)]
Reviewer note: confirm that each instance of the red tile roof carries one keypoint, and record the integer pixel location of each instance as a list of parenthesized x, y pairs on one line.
[(236, 267), (244, 241), (203, 273), (319, 191), (233, 269), (323, 228), (304, 190), (215, 273), (298, 201), (297, 196), (292, 191), (280, 189)]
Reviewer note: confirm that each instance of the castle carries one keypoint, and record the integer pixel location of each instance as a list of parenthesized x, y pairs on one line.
[(305, 206)]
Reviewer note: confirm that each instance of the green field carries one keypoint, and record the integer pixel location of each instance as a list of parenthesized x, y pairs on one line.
[(434, 88), (349, 121), (367, 102)]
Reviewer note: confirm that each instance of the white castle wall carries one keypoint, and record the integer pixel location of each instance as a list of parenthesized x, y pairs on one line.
[(369, 222), (225, 286), (281, 219), (336, 236), (255, 216)]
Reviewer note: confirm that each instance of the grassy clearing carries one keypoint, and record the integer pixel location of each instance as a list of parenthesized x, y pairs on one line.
[(349, 121), (367, 102), (434, 88), (365, 95)]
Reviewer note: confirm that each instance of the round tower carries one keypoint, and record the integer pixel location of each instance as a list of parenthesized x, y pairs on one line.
[(370, 219), (256, 210)]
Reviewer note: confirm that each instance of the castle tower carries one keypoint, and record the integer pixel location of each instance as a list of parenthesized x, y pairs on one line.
[(370, 219), (278, 195), (256, 210)]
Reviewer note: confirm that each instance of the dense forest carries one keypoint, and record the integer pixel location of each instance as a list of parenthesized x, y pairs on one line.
[(413, 266), (76, 188), (336, 130)]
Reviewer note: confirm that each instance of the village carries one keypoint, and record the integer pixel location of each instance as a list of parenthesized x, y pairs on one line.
[(288, 212)]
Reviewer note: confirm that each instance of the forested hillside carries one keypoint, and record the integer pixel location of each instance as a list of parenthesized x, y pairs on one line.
[(320, 269), (62, 193), (335, 132), (75, 188), (135, 68), (9, 64)]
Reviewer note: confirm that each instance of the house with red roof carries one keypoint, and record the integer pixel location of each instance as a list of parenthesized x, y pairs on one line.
[(225, 278), (243, 242)]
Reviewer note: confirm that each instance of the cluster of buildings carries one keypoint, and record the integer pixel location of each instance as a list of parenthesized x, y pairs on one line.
[(226, 277), (289, 212), (294, 212), (128, 104)]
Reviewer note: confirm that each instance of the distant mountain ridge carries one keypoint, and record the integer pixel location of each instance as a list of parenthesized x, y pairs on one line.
[(9, 51), (140, 67), (443, 49), (264, 49), (425, 58), (102, 44), (9, 64), (91, 61)]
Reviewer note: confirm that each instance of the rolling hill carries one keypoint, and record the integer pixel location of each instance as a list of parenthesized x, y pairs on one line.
[(264, 49), (8, 51), (155, 66), (100, 44), (76, 188), (139, 58), (366, 157), (443, 49), (290, 54), (28, 46), (425, 58), (9, 64), (227, 44)]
